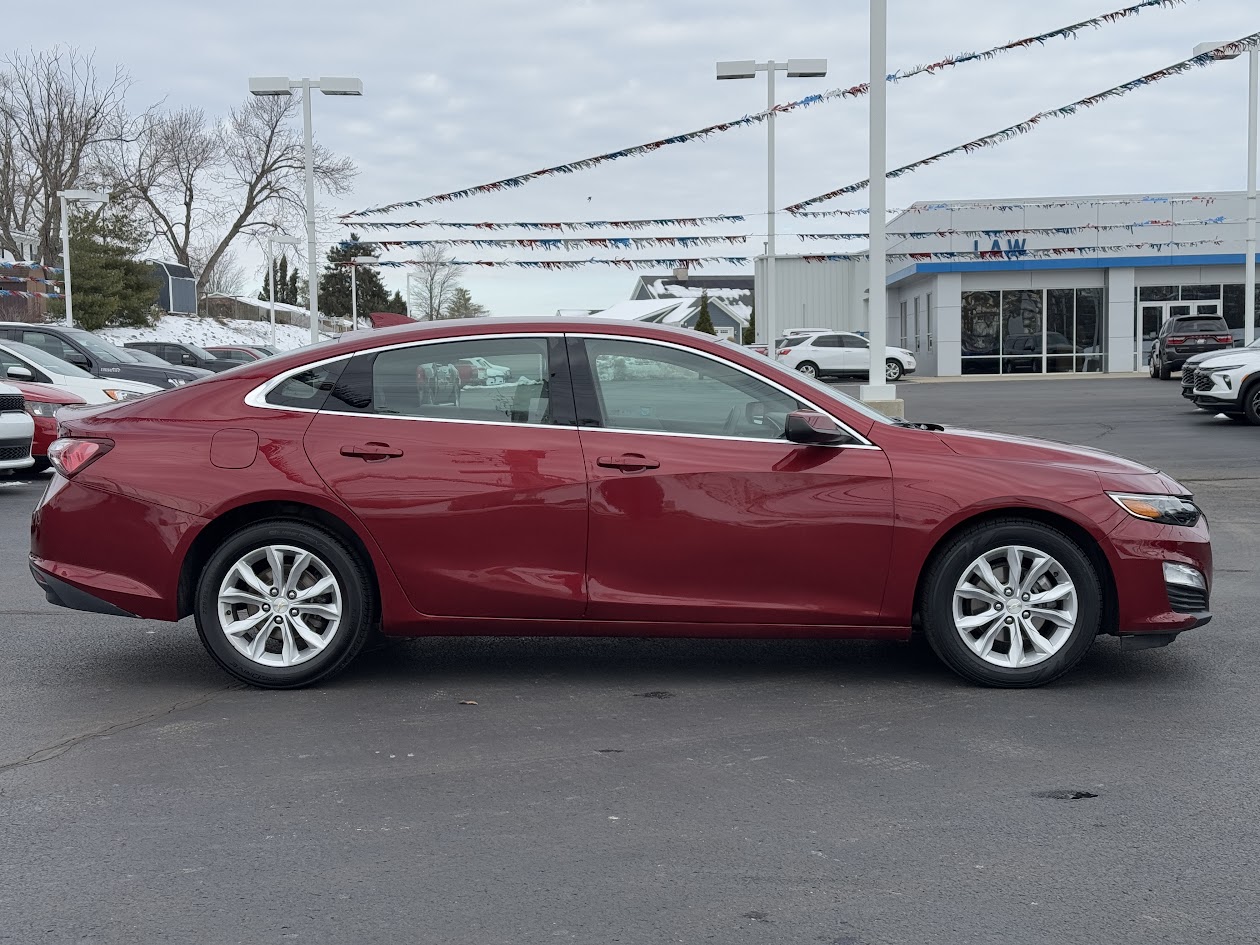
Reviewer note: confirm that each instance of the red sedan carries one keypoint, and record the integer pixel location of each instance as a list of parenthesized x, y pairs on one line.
[(627, 480), (42, 403)]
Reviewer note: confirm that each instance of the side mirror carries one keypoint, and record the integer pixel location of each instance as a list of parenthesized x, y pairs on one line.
[(77, 358), (188, 360), (18, 373), (813, 428)]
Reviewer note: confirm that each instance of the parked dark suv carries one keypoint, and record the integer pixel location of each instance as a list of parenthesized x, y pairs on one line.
[(1183, 337), (95, 355), (183, 354)]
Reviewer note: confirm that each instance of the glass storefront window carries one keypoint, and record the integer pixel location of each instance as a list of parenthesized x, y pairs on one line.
[(1158, 293), (981, 332), (1090, 337), (1235, 310), (1031, 330), (1200, 293)]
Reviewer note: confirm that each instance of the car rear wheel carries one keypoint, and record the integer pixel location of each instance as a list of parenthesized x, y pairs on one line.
[(808, 368), (1153, 366), (283, 604), (893, 370), (1165, 372), (1011, 603)]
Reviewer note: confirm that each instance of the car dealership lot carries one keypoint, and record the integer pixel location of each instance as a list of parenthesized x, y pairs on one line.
[(644, 791)]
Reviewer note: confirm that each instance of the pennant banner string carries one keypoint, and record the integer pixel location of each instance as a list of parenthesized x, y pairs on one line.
[(4, 264), (569, 225), (701, 262), (1063, 32), (31, 295), (998, 137)]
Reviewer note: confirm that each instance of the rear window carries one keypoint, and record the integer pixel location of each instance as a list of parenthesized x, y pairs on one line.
[(1213, 325)]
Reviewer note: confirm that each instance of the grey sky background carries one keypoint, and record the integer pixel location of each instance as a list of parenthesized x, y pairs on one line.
[(458, 94)]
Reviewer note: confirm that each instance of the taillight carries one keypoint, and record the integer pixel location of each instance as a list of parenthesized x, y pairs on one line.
[(1225, 339), (1176, 340), (785, 351), (69, 456)]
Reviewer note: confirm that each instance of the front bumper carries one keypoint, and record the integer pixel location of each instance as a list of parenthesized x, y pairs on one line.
[(1147, 603)]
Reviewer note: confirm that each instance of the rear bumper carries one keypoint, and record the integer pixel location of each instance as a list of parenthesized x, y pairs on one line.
[(67, 595)]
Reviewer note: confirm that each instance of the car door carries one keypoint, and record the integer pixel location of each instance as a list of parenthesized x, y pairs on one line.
[(827, 352), (60, 348), (701, 512), (856, 354), (475, 493)]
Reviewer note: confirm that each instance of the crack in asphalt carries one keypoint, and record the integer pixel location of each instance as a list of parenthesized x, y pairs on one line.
[(60, 748)]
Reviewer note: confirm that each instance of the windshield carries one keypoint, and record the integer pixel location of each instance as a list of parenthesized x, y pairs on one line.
[(199, 352), (851, 402), (45, 360), (102, 349)]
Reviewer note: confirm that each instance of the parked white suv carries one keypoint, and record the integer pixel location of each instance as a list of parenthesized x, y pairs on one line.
[(1228, 382), (17, 429), (841, 353)]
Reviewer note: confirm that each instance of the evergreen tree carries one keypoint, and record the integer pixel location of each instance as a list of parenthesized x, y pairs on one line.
[(112, 288), (334, 283), (286, 284), (750, 333), (705, 322), (462, 305)]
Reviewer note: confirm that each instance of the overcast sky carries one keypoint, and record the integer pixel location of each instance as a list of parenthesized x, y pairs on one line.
[(458, 94)]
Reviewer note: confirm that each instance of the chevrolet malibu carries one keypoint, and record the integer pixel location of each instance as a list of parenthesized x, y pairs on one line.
[(628, 479)]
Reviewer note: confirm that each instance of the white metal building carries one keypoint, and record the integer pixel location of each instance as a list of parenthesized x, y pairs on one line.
[(1017, 307)]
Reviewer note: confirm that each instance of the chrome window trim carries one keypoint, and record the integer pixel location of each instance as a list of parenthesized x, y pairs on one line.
[(257, 397), (861, 440)]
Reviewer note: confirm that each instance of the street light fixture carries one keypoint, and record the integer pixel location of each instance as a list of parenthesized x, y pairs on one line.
[(1253, 117), (272, 242), (355, 263), (748, 69), (329, 85), (82, 196)]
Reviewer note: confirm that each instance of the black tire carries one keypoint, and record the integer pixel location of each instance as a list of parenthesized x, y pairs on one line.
[(1251, 403), (809, 369), (40, 466), (893, 371), (946, 570), (358, 596), (1165, 372), (1152, 366)]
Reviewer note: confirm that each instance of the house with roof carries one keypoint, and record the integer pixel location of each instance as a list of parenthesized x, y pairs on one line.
[(668, 300)]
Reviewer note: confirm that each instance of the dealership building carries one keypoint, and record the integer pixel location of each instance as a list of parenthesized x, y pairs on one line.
[(1047, 284)]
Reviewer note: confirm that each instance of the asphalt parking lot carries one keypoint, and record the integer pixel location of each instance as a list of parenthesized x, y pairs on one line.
[(626, 791)]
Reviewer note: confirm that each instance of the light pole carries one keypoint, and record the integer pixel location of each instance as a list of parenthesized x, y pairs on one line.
[(86, 196), (355, 263), (1253, 108), (272, 242), (329, 85), (748, 69), (877, 390)]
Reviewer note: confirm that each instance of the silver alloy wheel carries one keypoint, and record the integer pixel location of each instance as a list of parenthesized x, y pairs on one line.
[(1015, 606), (807, 369), (892, 370), (279, 605)]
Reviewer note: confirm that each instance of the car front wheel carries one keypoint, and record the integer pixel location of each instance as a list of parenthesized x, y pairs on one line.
[(283, 604), (893, 370), (1251, 404), (1011, 603)]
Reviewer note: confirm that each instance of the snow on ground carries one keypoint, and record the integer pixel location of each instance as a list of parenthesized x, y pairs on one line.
[(211, 331)]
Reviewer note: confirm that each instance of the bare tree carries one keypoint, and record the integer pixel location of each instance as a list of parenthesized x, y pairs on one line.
[(227, 277), (434, 285), (205, 185), (54, 112)]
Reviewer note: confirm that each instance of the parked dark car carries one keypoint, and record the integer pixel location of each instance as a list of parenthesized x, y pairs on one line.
[(96, 355), (183, 354), (240, 354), (305, 501), (1183, 337)]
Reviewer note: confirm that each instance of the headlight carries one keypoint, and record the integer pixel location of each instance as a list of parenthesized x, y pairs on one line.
[(1165, 509), (122, 394), (36, 409)]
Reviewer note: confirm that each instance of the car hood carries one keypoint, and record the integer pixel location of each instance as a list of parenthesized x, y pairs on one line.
[(1022, 449), (1245, 355)]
